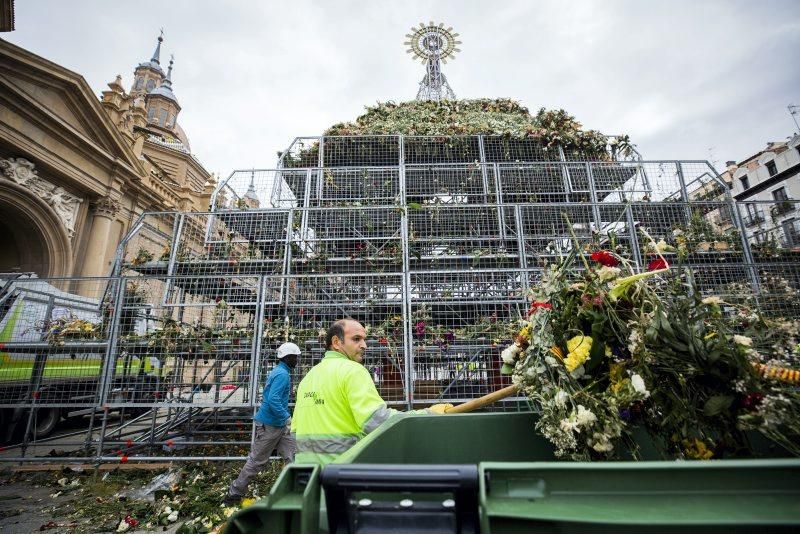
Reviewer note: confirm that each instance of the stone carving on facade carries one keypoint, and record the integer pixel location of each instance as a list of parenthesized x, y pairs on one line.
[(105, 207), (64, 204)]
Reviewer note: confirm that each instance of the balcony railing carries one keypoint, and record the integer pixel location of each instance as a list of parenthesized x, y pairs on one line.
[(753, 219), (782, 208)]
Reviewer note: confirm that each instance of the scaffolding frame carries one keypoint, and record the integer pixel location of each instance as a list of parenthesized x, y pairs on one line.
[(436, 257)]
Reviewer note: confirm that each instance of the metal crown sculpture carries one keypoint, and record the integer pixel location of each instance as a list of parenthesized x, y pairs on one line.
[(433, 44)]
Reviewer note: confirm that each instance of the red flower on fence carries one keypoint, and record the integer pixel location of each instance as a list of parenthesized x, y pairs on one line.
[(604, 257), (656, 264), (539, 305)]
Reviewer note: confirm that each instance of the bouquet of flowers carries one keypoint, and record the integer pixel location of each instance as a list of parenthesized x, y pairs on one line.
[(604, 350), (69, 328)]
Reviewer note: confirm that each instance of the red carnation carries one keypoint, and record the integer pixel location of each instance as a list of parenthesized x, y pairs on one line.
[(539, 305), (656, 264), (604, 257), (752, 400)]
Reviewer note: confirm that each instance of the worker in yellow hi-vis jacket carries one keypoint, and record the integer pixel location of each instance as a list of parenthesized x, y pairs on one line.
[(336, 403)]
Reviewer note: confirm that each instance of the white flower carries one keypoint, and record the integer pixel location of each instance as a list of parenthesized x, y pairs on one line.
[(677, 232), (585, 417), (561, 398), (634, 341), (602, 443), (568, 425), (712, 301), (662, 247), (173, 516), (605, 273), (638, 384), (227, 512), (549, 360), (509, 354), (743, 340), (578, 372), (123, 526)]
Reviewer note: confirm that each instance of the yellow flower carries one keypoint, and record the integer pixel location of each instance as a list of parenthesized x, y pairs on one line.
[(578, 349), (247, 502), (525, 332), (615, 371), (696, 449)]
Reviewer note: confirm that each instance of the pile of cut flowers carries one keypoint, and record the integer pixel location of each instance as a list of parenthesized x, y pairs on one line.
[(606, 353)]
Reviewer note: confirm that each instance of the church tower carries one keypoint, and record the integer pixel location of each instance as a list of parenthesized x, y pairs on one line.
[(163, 107), (148, 75)]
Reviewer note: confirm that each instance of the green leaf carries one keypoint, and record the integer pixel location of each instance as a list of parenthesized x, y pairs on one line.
[(716, 404), (414, 206), (506, 369)]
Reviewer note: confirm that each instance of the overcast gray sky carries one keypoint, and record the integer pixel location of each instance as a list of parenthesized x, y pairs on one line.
[(685, 79)]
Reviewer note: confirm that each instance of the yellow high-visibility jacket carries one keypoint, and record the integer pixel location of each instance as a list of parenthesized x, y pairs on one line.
[(335, 406)]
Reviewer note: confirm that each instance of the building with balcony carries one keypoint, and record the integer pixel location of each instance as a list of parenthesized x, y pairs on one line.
[(766, 187)]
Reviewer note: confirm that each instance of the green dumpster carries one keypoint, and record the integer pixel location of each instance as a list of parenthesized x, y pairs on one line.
[(491, 472)]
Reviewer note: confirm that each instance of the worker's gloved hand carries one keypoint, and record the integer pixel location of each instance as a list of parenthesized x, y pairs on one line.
[(439, 408)]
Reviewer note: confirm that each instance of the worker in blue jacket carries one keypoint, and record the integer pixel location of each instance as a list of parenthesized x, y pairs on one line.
[(272, 421)]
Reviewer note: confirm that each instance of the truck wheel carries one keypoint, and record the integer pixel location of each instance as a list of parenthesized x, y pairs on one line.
[(46, 421)]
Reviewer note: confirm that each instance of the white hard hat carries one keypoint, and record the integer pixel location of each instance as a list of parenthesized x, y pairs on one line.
[(288, 348)]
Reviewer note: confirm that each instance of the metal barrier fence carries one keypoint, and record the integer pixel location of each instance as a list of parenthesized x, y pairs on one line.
[(436, 259), (463, 182)]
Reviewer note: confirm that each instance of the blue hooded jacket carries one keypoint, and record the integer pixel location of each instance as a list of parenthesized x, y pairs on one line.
[(274, 409)]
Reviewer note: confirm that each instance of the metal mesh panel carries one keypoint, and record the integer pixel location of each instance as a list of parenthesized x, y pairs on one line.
[(459, 324), (450, 184), (545, 230), (432, 243), (772, 229), (365, 151), (423, 149), (505, 149), (347, 240), (466, 237), (537, 182), (56, 335), (303, 152), (315, 301), (147, 247), (336, 186)]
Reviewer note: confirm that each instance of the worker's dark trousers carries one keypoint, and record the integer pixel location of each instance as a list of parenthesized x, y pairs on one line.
[(268, 438)]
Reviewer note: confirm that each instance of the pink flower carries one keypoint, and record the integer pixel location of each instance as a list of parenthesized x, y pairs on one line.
[(419, 328)]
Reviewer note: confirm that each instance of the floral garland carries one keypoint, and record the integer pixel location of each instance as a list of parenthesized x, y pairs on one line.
[(604, 350), (502, 117)]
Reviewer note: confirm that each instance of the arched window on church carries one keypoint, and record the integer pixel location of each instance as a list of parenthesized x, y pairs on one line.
[(151, 84), (139, 83), (170, 120), (151, 113), (163, 118)]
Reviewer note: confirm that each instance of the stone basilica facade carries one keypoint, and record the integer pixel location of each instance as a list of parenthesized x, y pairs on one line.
[(77, 171)]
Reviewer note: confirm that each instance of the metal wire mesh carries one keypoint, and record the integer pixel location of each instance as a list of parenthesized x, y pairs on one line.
[(432, 243)]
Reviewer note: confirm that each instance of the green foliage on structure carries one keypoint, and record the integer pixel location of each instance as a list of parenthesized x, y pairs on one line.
[(501, 117)]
